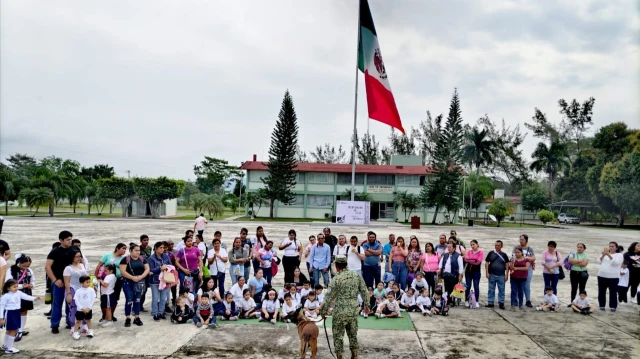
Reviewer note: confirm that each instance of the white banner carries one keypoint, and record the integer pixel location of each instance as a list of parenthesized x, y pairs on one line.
[(356, 212)]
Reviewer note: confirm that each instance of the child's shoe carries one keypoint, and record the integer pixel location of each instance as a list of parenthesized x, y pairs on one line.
[(12, 350), (212, 326), (538, 308), (233, 318), (75, 335), (90, 333), (199, 325)]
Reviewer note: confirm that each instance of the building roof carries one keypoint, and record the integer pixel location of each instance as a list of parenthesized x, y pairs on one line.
[(346, 168), (514, 199)]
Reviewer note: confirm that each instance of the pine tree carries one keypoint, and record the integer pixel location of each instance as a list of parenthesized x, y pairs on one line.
[(282, 156)]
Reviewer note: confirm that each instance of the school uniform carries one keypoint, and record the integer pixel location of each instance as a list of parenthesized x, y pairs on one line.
[(10, 308), (247, 307), (270, 307)]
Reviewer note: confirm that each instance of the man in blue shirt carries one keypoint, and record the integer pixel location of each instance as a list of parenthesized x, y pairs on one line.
[(320, 260), (371, 267), (386, 250)]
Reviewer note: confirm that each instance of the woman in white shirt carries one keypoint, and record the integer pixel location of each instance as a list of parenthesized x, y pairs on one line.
[(307, 252), (218, 264), (238, 289), (71, 275), (292, 255), (341, 248), (608, 275)]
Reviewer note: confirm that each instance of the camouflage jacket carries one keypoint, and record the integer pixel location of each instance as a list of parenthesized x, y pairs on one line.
[(343, 293)]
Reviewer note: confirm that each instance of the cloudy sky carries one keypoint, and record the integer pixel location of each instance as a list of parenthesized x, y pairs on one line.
[(153, 86)]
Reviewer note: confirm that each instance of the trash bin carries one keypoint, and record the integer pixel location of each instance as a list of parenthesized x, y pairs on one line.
[(470, 223), (1, 224), (415, 222)]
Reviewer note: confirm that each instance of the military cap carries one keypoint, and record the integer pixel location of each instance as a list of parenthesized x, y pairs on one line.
[(341, 259)]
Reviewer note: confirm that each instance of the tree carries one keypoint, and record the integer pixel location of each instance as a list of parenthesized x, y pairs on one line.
[(36, 197), (238, 187), (534, 198), (406, 201), (328, 154), (301, 156), (258, 198), (48, 174), (478, 149), (358, 196), (190, 189), (118, 189), (213, 173), (157, 190), (551, 160), (368, 150), (613, 140), (97, 172), (620, 181), (214, 206), (400, 144), (477, 186), (230, 200), (7, 186), (427, 137), (576, 119), (198, 201), (500, 208), (282, 161), (545, 216)]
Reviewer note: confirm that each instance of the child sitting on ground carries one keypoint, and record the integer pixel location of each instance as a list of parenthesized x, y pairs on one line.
[(84, 298), (247, 306), (312, 306), (289, 309), (439, 302), (295, 296), (396, 291), (389, 308), (204, 313), (549, 301), (408, 301), (389, 288), (373, 303), (424, 302), (228, 311), (582, 305), (270, 307), (304, 292), (182, 313), (419, 283), (189, 299), (380, 293), (283, 291), (319, 295)]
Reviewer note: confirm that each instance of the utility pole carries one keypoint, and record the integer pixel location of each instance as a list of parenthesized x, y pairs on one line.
[(128, 174)]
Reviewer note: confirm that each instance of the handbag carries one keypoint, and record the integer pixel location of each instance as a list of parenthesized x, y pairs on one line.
[(139, 287), (168, 277), (188, 279), (560, 271), (585, 275)]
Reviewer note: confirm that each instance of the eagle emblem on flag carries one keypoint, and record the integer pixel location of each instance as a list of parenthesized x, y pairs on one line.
[(379, 64)]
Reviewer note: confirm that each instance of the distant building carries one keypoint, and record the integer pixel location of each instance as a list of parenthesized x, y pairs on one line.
[(519, 213), (320, 185), (168, 208)]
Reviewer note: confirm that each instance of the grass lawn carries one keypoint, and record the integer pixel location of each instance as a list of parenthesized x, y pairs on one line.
[(508, 225), (267, 219)]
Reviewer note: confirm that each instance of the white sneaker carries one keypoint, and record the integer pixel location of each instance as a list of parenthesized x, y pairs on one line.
[(466, 304), (106, 323), (76, 335), (90, 333), (633, 300), (12, 350), (477, 305)]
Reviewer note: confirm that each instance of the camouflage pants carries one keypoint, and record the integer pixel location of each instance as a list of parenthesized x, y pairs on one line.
[(339, 325)]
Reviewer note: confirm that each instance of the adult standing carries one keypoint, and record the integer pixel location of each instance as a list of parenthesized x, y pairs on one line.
[(355, 255), (413, 259), (145, 252), (158, 263), (200, 224), (473, 259), (450, 268), (246, 244), (71, 276), (578, 275), (217, 261), (169, 251), (551, 261), (259, 241), (134, 269), (5, 253), (113, 258), (240, 260), (429, 263), (292, 255), (371, 266), (398, 262), (519, 271), (341, 248), (307, 255), (343, 294), (189, 262), (441, 247), (76, 243), (530, 255), (632, 257), (330, 239), (608, 275), (320, 261), (497, 269), (57, 260), (386, 249), (267, 259)]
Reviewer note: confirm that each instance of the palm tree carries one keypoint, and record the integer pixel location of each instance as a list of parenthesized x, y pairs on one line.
[(408, 202), (36, 197), (7, 186), (57, 183), (77, 191), (478, 148), (480, 184), (214, 206), (551, 160)]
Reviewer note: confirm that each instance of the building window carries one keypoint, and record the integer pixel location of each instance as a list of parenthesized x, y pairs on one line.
[(380, 180), (300, 178), (298, 201), (345, 178), (257, 176), (319, 201), (404, 180), (315, 177)]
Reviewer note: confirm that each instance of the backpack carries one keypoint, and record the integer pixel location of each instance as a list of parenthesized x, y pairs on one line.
[(358, 251), (566, 263)]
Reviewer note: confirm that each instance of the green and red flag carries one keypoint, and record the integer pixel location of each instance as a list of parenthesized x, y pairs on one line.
[(380, 102)]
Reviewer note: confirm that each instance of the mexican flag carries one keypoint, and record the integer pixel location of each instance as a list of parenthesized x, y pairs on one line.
[(380, 102)]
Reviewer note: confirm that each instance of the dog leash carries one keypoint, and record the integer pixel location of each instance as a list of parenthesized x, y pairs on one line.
[(324, 324)]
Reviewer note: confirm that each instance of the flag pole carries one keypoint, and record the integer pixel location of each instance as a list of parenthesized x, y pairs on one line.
[(355, 117)]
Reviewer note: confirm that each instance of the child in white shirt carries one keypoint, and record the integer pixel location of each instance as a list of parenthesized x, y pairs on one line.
[(283, 291), (424, 302), (311, 306), (304, 292), (295, 296), (84, 298), (319, 294), (582, 305), (10, 304), (549, 301), (289, 308), (389, 308), (623, 283), (408, 301), (419, 283), (270, 307), (108, 299), (247, 306)]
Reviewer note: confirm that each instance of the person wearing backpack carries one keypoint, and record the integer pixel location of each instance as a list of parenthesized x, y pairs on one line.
[(134, 269), (355, 255), (551, 261)]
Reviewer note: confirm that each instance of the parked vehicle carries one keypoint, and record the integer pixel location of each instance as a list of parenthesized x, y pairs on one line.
[(568, 218)]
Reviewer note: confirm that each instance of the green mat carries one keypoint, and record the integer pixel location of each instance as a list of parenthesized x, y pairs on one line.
[(372, 322)]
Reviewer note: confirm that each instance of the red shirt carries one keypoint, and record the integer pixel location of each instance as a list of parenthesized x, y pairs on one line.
[(520, 274)]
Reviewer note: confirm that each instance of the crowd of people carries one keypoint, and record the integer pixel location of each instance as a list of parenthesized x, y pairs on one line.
[(188, 279)]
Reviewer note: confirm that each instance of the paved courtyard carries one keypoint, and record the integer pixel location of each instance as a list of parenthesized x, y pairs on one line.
[(482, 333)]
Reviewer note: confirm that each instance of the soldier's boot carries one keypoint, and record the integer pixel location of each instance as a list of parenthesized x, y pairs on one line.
[(354, 353), (339, 356)]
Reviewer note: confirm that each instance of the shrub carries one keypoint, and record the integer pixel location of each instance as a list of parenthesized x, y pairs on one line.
[(545, 216)]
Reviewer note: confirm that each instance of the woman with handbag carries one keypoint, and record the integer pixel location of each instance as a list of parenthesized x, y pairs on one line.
[(189, 261), (259, 241), (240, 260), (551, 263), (413, 259), (578, 274), (218, 259), (473, 262), (429, 264), (134, 269), (158, 263), (267, 259)]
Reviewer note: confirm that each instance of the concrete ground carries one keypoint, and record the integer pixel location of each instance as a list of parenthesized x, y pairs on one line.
[(483, 333)]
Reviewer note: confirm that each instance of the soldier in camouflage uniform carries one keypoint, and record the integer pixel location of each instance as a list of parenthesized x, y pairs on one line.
[(343, 293)]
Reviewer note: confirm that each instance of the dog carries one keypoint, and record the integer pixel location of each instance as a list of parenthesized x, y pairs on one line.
[(308, 333)]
